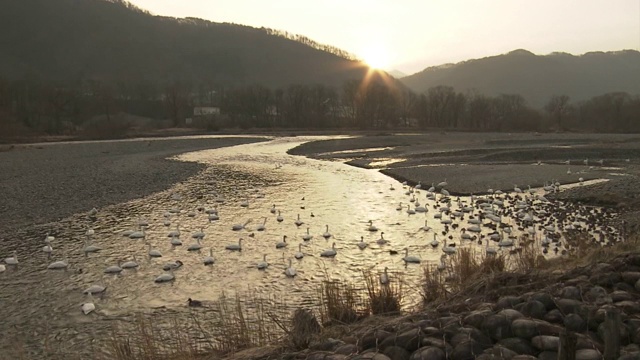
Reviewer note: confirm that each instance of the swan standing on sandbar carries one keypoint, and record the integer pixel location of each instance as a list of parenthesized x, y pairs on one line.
[(175, 241), (329, 252), (235, 247), (290, 271)]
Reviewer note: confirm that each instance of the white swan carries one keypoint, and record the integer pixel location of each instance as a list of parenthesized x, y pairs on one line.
[(426, 227), (154, 252), (283, 243), (209, 260), (130, 264), (299, 255), (195, 247), (329, 252), (399, 207), (307, 236), (213, 217), (279, 218), (166, 277), (371, 227), (362, 245), (47, 249), (442, 183), (434, 243), (273, 209), (113, 269), (326, 234), (490, 250), (263, 264), (58, 265), (175, 241), (90, 248), (95, 289), (382, 240), (48, 238), (410, 211), (137, 234), (410, 259), (298, 222), (199, 234), (262, 227), (235, 247), (443, 265), (384, 277), (88, 307), (448, 249), (290, 271), (238, 227), (12, 260)]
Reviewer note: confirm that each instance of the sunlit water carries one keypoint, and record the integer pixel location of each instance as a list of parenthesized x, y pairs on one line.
[(34, 300)]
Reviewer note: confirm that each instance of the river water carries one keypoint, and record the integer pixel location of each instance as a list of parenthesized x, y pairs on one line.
[(37, 304)]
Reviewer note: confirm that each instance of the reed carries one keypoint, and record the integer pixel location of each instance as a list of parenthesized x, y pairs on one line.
[(383, 299), (340, 303)]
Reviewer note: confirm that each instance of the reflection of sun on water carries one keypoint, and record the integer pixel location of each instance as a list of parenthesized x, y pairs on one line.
[(376, 56)]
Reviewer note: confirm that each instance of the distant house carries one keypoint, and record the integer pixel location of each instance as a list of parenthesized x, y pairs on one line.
[(206, 110)]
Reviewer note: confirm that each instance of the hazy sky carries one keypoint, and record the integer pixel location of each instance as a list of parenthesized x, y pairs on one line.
[(410, 35)]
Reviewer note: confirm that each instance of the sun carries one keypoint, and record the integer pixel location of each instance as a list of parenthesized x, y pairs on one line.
[(376, 56)]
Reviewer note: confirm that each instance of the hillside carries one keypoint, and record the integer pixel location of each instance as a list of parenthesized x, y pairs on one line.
[(74, 40), (538, 77)]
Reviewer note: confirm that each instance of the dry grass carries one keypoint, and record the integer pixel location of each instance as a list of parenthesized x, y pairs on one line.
[(383, 299), (340, 303)]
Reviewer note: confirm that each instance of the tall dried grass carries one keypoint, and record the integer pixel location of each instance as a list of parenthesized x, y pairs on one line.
[(383, 299)]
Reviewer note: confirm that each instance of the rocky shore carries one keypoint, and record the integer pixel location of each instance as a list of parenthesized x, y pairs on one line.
[(527, 326)]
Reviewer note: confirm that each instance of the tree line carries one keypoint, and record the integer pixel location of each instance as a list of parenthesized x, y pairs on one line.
[(378, 102)]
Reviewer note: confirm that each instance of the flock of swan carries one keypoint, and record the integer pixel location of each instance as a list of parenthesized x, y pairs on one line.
[(496, 221)]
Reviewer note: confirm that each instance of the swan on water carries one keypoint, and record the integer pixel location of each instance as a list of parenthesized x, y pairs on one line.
[(172, 265), (88, 307), (299, 255), (448, 249), (137, 234), (209, 260), (58, 265), (326, 234), (154, 252), (166, 277), (213, 217), (426, 226), (410, 259), (384, 277), (298, 222), (175, 241), (130, 264), (282, 243), (442, 265), (12, 260), (263, 264), (199, 234), (382, 240), (290, 271), (362, 245), (235, 247), (273, 209), (95, 289), (410, 211), (90, 248), (490, 250), (279, 218), (113, 269), (371, 227), (329, 252), (47, 248), (399, 207), (238, 227), (48, 238), (195, 247), (307, 236), (262, 227), (434, 243)]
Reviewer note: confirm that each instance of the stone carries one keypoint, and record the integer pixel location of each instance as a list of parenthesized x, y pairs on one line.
[(371, 356), (595, 292), (568, 306), (524, 357), (517, 345), (428, 353), (637, 285), (347, 349), (601, 267), (588, 354), (548, 355), (501, 352), (605, 279), (631, 348), (511, 314), (467, 350), (446, 320), (524, 328), (544, 298), (397, 353), (436, 342), (570, 292), (409, 340), (534, 309), (497, 327), (623, 286), (619, 295), (546, 342), (373, 338), (327, 345), (318, 355), (477, 335), (507, 302), (554, 316), (336, 357), (630, 356), (432, 331), (475, 318), (629, 307), (573, 322)]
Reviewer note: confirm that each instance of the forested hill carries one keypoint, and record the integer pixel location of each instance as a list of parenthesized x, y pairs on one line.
[(535, 77), (113, 41)]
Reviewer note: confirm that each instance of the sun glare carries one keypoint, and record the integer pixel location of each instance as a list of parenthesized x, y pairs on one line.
[(376, 57)]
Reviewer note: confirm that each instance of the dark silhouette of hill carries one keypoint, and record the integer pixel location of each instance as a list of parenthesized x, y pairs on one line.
[(536, 77), (74, 40)]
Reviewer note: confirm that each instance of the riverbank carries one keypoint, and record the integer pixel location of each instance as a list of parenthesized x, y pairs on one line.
[(42, 183)]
